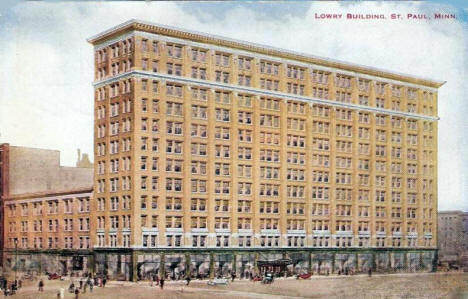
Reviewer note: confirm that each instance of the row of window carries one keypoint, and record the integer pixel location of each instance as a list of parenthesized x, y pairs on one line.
[(52, 225), (68, 205), (221, 59), (68, 242), (176, 90)]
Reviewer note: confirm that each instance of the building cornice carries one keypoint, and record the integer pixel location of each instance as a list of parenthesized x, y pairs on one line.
[(196, 36), (42, 195), (259, 92), (452, 212)]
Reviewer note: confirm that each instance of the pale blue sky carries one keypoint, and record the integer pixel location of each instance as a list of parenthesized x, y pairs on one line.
[(47, 65)]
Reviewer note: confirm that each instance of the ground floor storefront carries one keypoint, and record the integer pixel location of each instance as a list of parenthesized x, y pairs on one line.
[(175, 264)]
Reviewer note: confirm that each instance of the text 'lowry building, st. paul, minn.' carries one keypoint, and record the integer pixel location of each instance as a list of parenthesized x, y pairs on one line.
[(213, 156)]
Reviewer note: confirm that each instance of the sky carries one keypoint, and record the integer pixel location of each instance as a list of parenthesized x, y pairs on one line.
[(46, 93)]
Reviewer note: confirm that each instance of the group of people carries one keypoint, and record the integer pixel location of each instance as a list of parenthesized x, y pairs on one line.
[(85, 283), (158, 281), (10, 288)]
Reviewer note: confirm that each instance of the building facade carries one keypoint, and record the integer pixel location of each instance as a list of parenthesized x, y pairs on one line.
[(45, 210), (48, 231), (204, 142), (212, 155), (453, 237)]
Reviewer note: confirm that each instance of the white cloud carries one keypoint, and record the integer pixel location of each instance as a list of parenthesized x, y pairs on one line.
[(46, 97)]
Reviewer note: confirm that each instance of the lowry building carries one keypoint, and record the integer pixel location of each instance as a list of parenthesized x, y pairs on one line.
[(453, 238), (215, 155), (45, 210), (231, 152)]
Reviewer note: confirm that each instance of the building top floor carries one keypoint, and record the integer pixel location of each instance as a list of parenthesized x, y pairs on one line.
[(452, 214), (130, 27), (47, 203)]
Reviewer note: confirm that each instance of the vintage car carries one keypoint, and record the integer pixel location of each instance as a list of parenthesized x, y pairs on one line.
[(268, 278), (218, 281), (53, 276), (304, 276)]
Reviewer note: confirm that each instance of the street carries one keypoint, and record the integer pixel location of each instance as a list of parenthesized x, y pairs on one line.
[(423, 285)]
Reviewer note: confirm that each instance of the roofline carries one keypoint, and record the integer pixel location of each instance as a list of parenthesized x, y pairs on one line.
[(28, 147), (135, 24), (49, 193), (452, 212)]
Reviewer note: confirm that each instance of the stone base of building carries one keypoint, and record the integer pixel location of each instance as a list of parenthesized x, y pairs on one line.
[(141, 264), (64, 262)]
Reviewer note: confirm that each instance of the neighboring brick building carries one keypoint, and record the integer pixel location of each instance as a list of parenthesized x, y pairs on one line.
[(30, 170), (453, 237), (219, 151), (45, 207)]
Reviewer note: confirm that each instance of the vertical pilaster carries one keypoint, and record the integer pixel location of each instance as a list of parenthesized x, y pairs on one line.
[(134, 267), (188, 265), (212, 265), (162, 266)]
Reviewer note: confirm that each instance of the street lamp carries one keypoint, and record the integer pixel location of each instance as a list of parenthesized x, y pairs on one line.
[(16, 257)]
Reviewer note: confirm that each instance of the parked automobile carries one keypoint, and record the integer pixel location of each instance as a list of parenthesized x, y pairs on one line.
[(53, 276), (218, 281), (29, 276), (268, 278), (304, 276)]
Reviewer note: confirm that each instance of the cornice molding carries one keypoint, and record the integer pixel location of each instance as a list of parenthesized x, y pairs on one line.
[(154, 28), (258, 92), (40, 196)]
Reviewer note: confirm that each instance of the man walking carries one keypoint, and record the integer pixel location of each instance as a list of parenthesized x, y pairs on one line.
[(161, 283), (41, 285)]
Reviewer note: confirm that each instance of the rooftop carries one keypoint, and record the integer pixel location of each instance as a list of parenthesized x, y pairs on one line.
[(49, 193), (144, 26)]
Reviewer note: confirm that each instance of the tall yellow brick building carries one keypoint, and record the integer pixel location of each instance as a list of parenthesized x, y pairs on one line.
[(203, 141), (207, 142), (215, 155)]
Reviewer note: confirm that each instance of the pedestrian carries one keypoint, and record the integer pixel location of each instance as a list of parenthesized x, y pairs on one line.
[(104, 281), (41, 285), (369, 272), (91, 285), (71, 288), (188, 279), (81, 283), (161, 283), (77, 293), (233, 276)]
